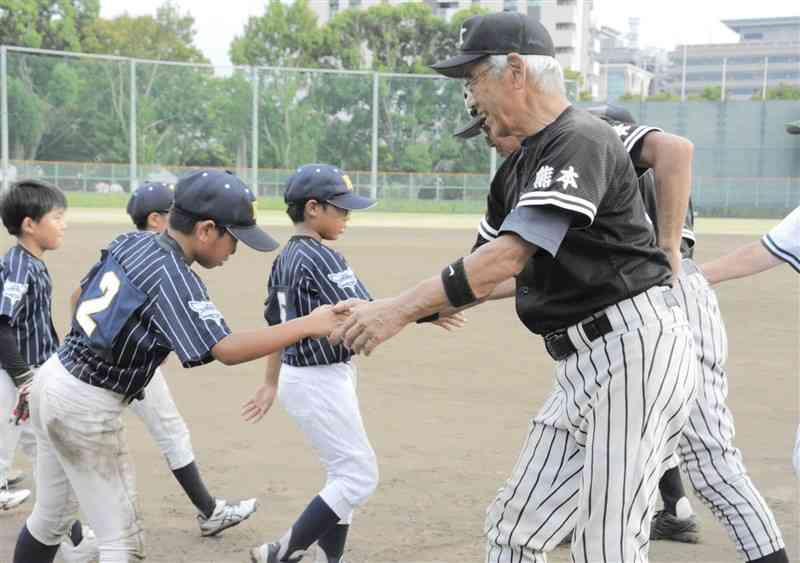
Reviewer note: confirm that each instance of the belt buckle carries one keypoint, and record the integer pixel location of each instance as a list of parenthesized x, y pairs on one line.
[(550, 338)]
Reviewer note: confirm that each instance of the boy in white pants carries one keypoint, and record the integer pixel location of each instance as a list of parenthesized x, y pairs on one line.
[(148, 208), (314, 380)]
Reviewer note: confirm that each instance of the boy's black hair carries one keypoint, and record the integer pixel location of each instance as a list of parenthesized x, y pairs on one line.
[(29, 198), (184, 223), (141, 222), (297, 209)]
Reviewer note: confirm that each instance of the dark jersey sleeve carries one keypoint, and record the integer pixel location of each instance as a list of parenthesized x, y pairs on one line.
[(190, 321), (489, 227), (571, 175)]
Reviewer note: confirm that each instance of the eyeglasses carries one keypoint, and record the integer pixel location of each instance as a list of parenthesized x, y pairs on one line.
[(470, 84)]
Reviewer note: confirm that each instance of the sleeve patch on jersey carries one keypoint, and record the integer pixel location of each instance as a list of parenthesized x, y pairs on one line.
[(544, 177), (207, 311), (345, 279), (14, 291), (568, 177), (622, 129)]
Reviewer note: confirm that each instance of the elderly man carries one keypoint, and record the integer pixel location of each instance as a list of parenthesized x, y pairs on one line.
[(715, 466), (570, 225)]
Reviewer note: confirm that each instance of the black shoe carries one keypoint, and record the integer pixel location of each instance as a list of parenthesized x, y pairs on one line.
[(667, 527)]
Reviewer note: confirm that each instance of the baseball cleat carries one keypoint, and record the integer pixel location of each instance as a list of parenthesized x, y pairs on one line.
[(12, 499), (15, 477), (268, 553), (265, 553), (226, 516), (85, 552), (322, 557), (667, 527)]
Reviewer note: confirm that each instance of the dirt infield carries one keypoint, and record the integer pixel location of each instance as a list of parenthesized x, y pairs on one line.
[(446, 413)]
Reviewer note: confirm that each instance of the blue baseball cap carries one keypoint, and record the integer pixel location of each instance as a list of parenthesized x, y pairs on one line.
[(148, 198), (222, 197), (325, 183)]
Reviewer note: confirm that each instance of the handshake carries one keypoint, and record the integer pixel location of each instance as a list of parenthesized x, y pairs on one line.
[(362, 325)]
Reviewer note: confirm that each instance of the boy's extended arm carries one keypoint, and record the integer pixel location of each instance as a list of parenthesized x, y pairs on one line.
[(742, 262)]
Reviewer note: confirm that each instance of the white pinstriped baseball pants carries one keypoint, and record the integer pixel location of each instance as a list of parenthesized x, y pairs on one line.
[(714, 465), (599, 445)]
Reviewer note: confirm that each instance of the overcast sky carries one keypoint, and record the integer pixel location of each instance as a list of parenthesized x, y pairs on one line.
[(663, 24)]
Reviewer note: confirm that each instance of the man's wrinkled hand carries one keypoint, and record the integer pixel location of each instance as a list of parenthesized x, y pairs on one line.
[(369, 325)]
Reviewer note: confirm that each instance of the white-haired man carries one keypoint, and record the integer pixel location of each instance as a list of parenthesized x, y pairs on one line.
[(571, 227)]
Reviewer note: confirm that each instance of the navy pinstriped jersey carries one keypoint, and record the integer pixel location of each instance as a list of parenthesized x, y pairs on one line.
[(138, 304), (632, 137), (27, 303), (304, 276), (576, 165), (783, 241)]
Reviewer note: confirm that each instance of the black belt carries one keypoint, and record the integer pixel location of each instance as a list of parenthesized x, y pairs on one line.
[(559, 345)]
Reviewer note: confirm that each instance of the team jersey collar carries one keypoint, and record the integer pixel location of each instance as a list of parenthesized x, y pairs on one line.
[(538, 135), (171, 245), (29, 253)]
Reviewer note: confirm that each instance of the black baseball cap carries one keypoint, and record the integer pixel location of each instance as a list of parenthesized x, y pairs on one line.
[(496, 34), (610, 111), (222, 197), (325, 183), (475, 126), (148, 198)]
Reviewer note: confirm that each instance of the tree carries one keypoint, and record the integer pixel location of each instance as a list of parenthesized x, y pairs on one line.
[(62, 25), (709, 94), (284, 36)]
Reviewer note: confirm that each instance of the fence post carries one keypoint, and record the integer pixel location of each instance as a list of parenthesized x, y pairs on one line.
[(84, 176), (764, 82), (492, 163), (55, 174), (4, 112), (683, 76), (254, 137), (374, 168), (134, 165), (410, 186), (724, 77), (463, 187)]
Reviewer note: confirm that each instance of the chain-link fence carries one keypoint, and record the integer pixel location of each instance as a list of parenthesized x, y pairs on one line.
[(103, 124)]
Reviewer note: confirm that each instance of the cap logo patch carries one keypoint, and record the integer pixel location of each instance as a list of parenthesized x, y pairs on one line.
[(347, 182), (461, 37)]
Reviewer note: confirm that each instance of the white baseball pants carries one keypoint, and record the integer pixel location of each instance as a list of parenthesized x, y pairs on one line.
[(599, 445), (12, 435), (82, 447), (323, 402), (165, 424)]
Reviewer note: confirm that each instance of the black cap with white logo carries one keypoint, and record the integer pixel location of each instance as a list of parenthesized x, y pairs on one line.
[(224, 198), (325, 183), (496, 34)]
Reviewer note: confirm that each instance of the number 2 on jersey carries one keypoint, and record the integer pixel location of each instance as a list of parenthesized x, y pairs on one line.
[(109, 284)]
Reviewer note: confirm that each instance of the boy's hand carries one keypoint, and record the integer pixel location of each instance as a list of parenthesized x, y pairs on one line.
[(255, 409), (323, 320), (451, 322), (22, 410)]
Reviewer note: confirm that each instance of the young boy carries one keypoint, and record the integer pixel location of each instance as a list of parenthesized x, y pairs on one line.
[(140, 302), (148, 208), (315, 381), (33, 212)]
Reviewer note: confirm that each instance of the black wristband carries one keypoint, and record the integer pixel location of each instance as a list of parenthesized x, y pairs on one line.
[(456, 286), (428, 319)]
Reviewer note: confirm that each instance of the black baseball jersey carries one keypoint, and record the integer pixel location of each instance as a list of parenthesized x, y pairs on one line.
[(138, 303), (27, 304), (576, 165), (632, 137), (304, 276)]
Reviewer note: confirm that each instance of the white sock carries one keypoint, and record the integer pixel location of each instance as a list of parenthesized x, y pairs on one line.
[(683, 508)]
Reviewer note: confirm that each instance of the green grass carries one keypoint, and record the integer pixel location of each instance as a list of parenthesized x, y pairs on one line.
[(119, 201)]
